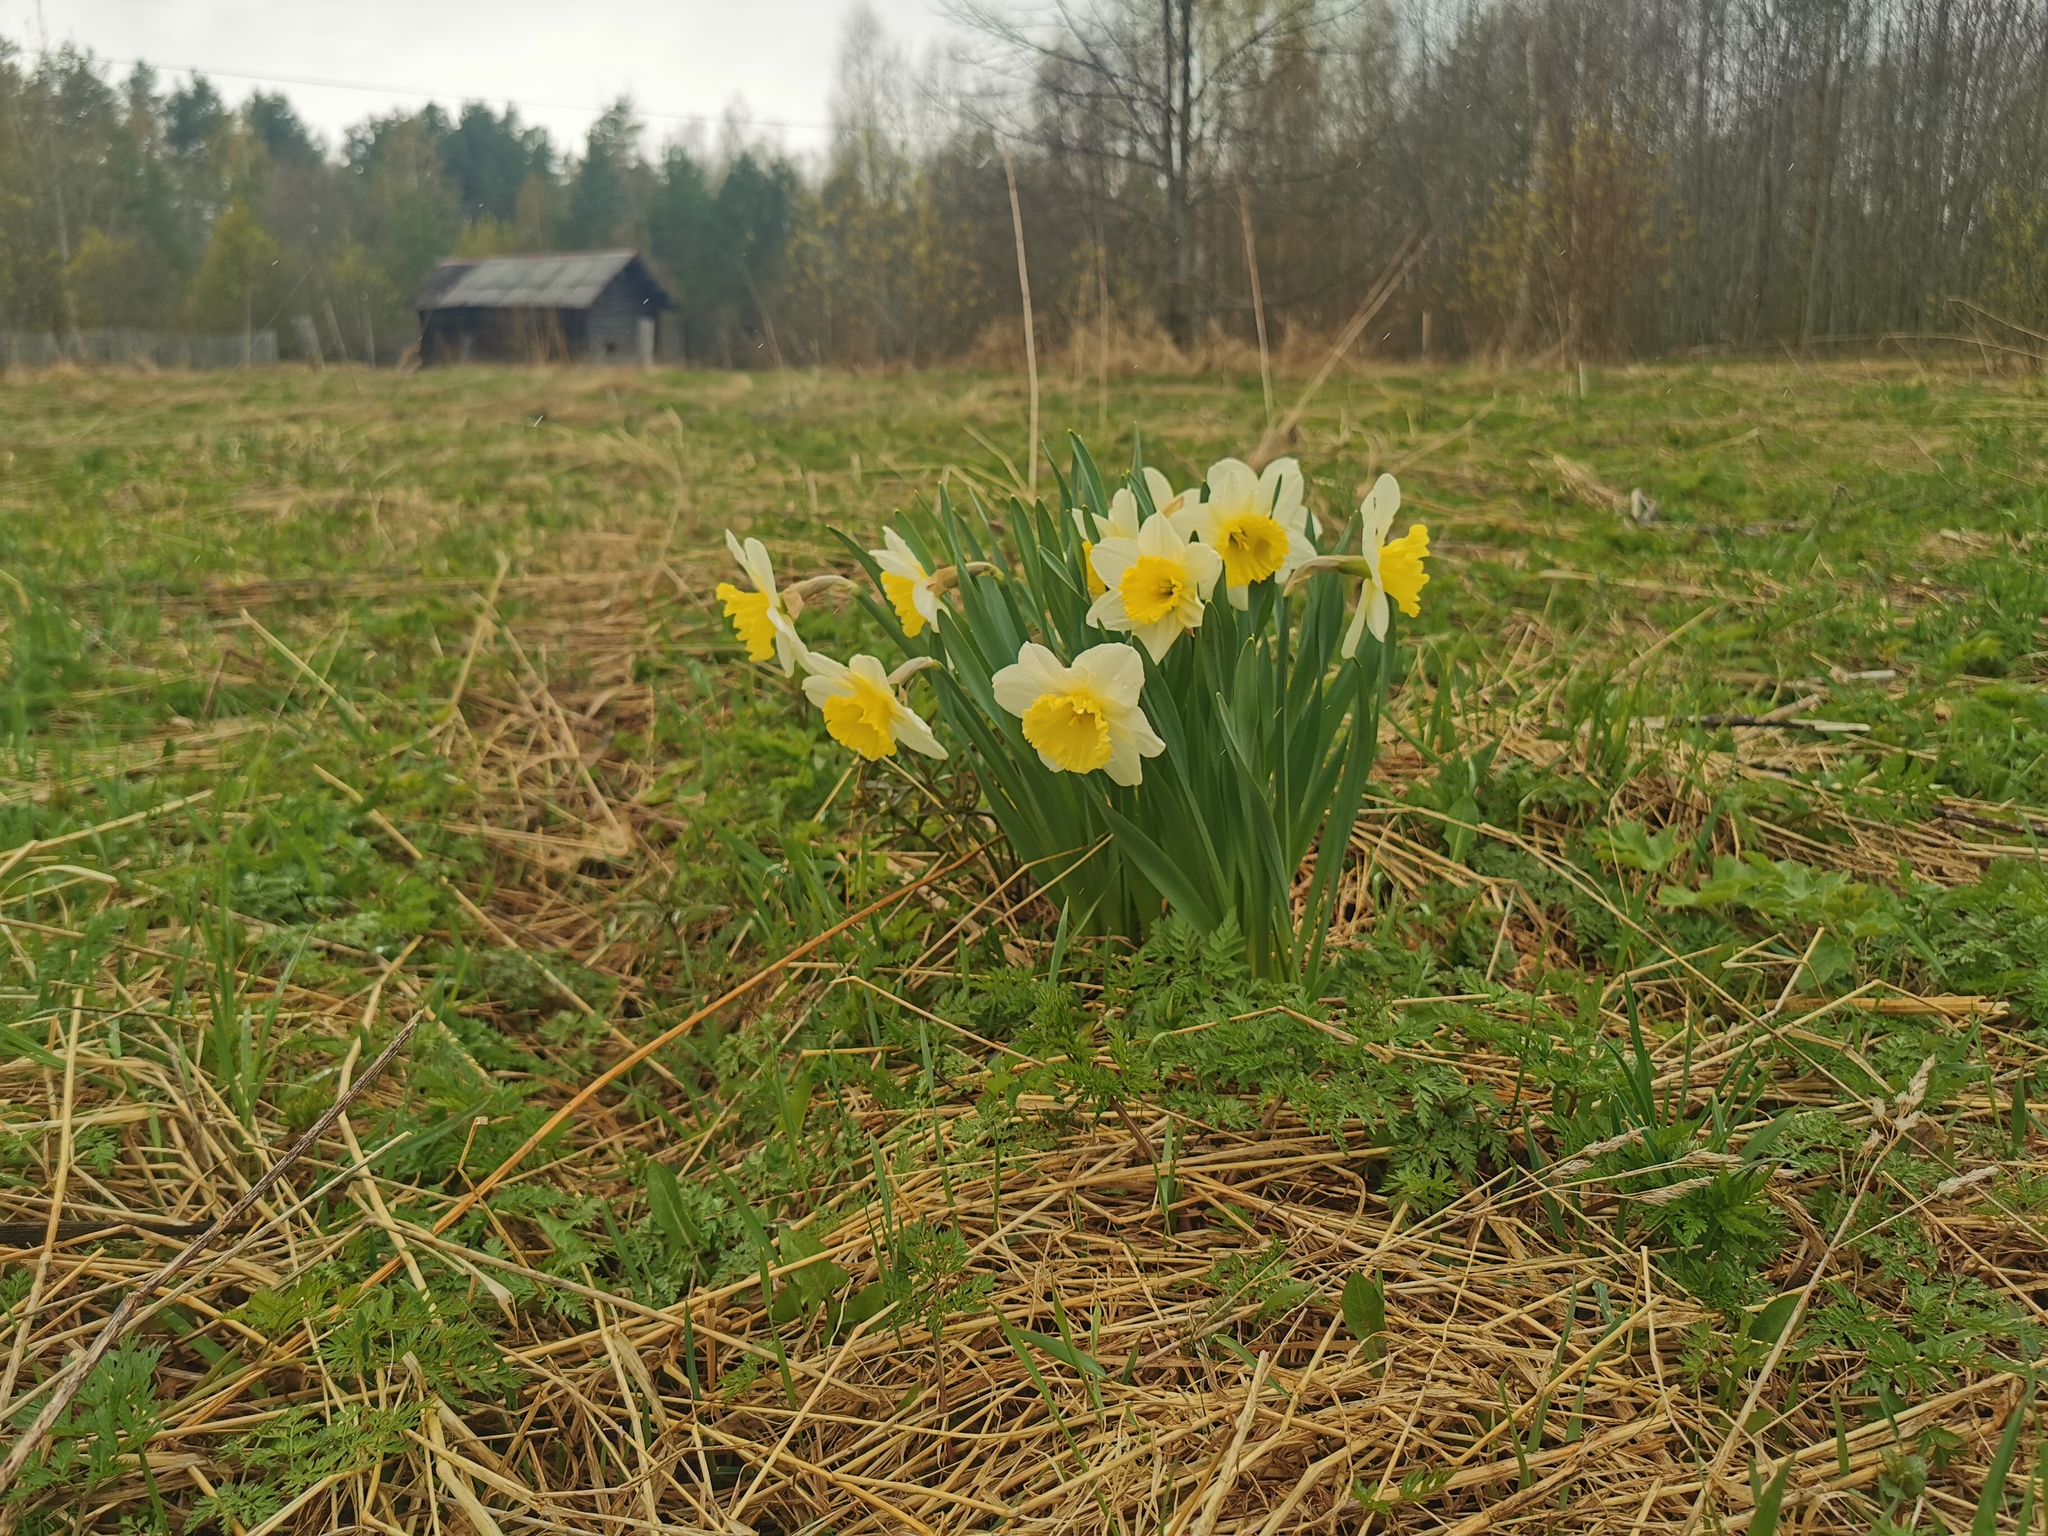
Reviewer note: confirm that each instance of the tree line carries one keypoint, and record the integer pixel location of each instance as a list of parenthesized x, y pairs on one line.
[(1576, 179)]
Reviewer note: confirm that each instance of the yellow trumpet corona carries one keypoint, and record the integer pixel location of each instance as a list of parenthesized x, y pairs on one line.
[(1154, 586), (861, 709), (1122, 521), (911, 589), (760, 618), (1391, 568), (1258, 523), (1083, 717)]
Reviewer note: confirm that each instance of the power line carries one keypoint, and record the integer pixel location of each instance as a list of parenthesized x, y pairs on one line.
[(399, 90)]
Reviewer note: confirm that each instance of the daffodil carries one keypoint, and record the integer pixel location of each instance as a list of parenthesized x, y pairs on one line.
[(760, 618), (861, 707), (1083, 717), (1122, 522), (911, 589), (1154, 584), (1391, 568), (1095, 586), (1258, 523)]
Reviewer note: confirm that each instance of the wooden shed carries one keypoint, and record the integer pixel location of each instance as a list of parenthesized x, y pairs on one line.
[(583, 307)]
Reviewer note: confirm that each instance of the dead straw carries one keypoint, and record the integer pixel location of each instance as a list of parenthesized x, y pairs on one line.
[(1251, 265), (65, 1386), (1030, 330)]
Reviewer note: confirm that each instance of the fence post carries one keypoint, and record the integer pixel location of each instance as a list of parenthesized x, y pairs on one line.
[(309, 339)]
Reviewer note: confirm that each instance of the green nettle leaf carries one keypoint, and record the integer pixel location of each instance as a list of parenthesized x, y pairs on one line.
[(1627, 846), (1365, 1308), (1766, 1326), (1831, 957), (865, 1303), (1787, 891), (1268, 728), (806, 1289)]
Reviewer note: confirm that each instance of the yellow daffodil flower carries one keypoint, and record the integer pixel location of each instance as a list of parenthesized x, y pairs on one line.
[(1153, 584), (1256, 522), (1083, 717), (1122, 522), (911, 589), (1391, 568), (861, 707), (760, 618)]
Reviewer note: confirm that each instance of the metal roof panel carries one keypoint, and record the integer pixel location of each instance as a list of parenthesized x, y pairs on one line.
[(571, 281)]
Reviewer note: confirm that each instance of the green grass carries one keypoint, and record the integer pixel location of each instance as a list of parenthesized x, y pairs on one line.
[(278, 778)]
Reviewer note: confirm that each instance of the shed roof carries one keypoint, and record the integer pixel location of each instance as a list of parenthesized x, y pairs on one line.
[(570, 281)]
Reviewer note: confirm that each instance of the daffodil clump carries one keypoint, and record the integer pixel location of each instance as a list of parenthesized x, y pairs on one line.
[(1160, 692)]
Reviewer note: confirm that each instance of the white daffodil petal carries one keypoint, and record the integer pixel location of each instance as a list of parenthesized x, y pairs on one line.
[(1376, 618), (1355, 631), (789, 650), (893, 564), (1168, 501), (1107, 611), (740, 553), (754, 560), (1114, 671), (1159, 537), (1131, 740), (1035, 672), (1378, 509), (915, 734), (1298, 550), (1233, 488), (1122, 522), (1112, 557), (1125, 766), (823, 669), (1158, 638), (897, 558), (1280, 488)]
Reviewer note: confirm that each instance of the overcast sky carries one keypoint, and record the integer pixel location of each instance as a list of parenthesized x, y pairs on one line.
[(560, 62)]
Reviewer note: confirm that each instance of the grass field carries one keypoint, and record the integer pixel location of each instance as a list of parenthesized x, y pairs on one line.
[(1656, 1153)]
